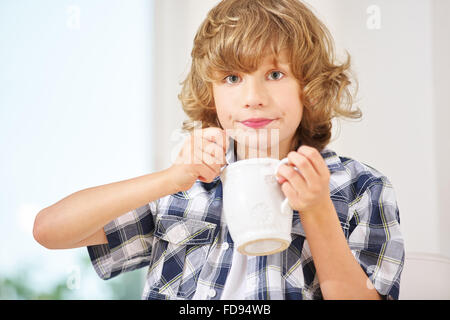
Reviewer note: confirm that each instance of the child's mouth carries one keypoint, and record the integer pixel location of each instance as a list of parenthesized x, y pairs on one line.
[(256, 123)]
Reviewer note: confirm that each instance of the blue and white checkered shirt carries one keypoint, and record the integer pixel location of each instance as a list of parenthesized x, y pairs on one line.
[(188, 249)]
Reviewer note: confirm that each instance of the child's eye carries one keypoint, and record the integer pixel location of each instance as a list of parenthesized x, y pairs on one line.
[(232, 79), (276, 75)]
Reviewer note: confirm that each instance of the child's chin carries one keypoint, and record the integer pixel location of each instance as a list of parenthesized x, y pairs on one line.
[(251, 134), (253, 150), (258, 140)]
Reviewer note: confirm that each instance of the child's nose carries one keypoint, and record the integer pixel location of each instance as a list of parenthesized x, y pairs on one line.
[(256, 105), (255, 95)]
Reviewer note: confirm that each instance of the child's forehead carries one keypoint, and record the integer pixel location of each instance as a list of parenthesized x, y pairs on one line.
[(275, 59)]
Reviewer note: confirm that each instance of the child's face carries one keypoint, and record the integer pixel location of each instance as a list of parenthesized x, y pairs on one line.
[(270, 93)]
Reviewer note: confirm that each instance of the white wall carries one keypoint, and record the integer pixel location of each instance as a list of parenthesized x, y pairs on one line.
[(176, 24), (441, 69), (401, 72), (401, 69)]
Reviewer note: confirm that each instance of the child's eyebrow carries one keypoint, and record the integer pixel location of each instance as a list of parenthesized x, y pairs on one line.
[(274, 62), (276, 65)]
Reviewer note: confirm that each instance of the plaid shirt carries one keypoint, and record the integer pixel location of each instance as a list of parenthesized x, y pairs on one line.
[(188, 249)]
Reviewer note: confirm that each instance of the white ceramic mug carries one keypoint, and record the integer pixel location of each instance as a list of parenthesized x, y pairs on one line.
[(257, 213)]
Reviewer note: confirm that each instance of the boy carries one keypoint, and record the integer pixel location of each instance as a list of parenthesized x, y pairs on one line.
[(256, 64)]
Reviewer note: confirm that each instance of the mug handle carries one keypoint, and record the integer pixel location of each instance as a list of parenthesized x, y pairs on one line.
[(285, 206)]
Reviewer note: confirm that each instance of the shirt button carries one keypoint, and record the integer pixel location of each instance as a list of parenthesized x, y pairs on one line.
[(225, 246), (212, 293)]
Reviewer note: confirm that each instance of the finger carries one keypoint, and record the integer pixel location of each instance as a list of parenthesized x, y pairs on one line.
[(216, 151), (280, 179), (211, 160), (316, 159), (304, 166), (296, 180), (187, 152), (205, 171), (213, 155), (217, 136), (289, 191), (196, 146)]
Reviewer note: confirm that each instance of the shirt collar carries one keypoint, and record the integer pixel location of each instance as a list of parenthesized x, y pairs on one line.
[(332, 160)]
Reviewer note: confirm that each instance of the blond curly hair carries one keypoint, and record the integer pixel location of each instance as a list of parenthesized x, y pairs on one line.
[(237, 34)]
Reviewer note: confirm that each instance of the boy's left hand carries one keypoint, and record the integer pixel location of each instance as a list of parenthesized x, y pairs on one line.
[(308, 189)]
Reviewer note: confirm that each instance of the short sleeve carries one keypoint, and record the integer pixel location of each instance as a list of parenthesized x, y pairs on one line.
[(376, 240), (130, 239)]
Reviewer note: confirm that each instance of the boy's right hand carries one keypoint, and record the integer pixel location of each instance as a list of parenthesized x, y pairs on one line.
[(201, 157)]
